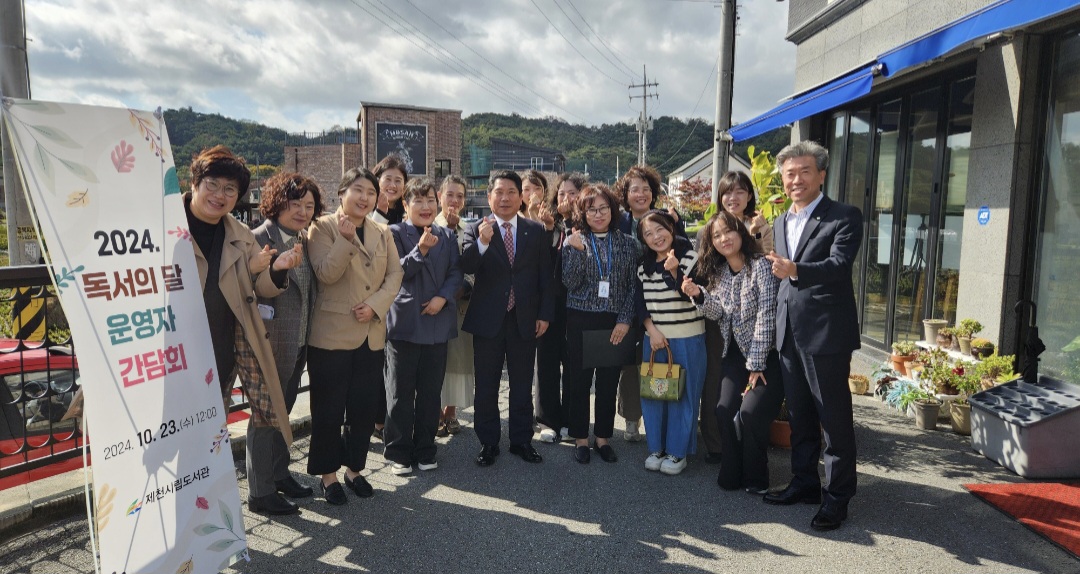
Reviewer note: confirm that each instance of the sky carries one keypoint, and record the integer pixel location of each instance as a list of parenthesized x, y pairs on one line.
[(305, 65)]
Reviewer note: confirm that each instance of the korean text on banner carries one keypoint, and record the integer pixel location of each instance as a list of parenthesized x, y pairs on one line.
[(108, 204)]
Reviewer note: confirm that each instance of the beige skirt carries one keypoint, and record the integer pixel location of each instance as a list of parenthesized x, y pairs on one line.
[(459, 383)]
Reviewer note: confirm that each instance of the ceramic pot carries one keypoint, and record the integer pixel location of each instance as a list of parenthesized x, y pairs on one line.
[(926, 414), (780, 434), (965, 345), (961, 418), (930, 329)]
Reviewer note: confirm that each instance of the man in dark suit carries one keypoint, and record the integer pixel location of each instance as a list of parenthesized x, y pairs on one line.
[(817, 329), (510, 308)]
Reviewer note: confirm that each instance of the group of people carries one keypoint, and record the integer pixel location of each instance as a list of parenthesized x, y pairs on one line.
[(402, 313)]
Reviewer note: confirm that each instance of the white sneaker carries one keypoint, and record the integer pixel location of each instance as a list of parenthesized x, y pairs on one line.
[(401, 469), (672, 465), (654, 461), (428, 464), (632, 434), (548, 435), (566, 435)]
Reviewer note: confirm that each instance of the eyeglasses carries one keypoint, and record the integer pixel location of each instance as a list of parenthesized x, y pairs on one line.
[(213, 186), (598, 211)]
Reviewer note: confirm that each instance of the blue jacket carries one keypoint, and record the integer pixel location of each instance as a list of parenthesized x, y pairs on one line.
[(436, 274)]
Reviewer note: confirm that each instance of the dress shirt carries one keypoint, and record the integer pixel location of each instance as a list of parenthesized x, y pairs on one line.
[(796, 222), (501, 231)]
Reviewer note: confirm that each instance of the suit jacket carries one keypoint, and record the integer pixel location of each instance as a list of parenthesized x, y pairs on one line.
[(531, 278), (240, 288), (349, 273), (425, 276), (821, 304), (284, 328)]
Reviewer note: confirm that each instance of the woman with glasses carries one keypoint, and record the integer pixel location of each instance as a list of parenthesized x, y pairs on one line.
[(598, 270), (290, 202), (233, 267)]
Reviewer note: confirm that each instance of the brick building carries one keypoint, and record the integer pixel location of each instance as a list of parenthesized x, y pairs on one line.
[(325, 163)]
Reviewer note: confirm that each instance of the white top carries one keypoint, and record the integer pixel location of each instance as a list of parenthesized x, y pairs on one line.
[(501, 231), (796, 222)]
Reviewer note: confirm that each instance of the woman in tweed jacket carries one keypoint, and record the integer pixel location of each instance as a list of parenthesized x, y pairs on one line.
[(740, 295)]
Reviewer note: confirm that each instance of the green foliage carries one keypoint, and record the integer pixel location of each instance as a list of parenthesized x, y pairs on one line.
[(190, 132), (765, 175), (968, 327), (996, 367), (904, 348)]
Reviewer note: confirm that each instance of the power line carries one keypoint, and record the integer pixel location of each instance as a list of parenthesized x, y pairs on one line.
[(610, 49), (605, 74), (698, 120), (587, 39)]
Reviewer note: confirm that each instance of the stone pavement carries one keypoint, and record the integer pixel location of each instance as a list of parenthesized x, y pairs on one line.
[(911, 515)]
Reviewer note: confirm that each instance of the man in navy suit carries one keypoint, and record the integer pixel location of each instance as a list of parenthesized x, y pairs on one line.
[(510, 308), (817, 328)]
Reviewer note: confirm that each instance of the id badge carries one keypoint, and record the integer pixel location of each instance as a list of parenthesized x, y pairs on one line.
[(603, 290)]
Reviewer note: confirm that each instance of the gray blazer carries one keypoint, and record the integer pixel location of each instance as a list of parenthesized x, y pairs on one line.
[(436, 274), (284, 328)]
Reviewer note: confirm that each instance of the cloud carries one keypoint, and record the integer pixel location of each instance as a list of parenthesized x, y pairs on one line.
[(306, 64)]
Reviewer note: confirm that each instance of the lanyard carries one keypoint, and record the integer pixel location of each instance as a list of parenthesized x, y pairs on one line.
[(596, 255)]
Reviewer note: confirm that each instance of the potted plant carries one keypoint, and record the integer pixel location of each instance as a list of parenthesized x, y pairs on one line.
[(858, 384), (780, 430), (943, 376), (925, 405), (960, 408), (903, 351), (931, 328), (995, 369), (981, 348), (945, 337), (883, 380), (965, 331)]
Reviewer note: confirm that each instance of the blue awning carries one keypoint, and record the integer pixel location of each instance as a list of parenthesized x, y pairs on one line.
[(837, 92), (1002, 16), (997, 17)]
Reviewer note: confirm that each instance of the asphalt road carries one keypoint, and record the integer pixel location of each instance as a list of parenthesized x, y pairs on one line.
[(911, 515)]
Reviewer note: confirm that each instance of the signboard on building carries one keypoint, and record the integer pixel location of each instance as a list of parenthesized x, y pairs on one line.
[(407, 141), (107, 201)]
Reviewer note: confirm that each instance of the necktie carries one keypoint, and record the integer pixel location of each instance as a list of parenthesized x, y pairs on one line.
[(508, 240)]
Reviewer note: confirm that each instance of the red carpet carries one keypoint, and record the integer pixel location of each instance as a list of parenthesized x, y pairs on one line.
[(1051, 509)]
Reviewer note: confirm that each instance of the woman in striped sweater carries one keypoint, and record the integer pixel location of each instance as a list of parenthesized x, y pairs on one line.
[(672, 321)]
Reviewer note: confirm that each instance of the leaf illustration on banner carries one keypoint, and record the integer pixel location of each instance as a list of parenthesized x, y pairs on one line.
[(78, 198), (41, 158), (56, 135), (149, 133), (123, 157), (222, 437), (187, 567), (103, 505), (205, 529), (209, 376), (201, 502), (221, 545), (65, 275), (226, 516), (79, 170), (180, 233), (39, 107), (171, 184)]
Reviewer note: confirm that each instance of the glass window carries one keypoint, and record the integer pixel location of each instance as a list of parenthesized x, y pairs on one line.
[(442, 168), (856, 168), (1058, 244), (879, 236), (951, 229), (836, 156)]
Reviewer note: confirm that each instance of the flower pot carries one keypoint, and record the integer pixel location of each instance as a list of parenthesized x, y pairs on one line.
[(965, 345), (780, 434), (858, 386), (961, 418), (982, 352), (930, 329), (898, 363), (926, 414), (944, 341)]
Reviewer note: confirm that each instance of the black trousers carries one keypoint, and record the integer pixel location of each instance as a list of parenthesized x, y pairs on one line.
[(414, 377), (552, 376), (581, 379), (745, 444), (710, 393), (489, 354), (817, 394), (290, 387), (345, 388)]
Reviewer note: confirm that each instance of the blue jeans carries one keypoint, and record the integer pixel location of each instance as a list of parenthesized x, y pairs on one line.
[(671, 426)]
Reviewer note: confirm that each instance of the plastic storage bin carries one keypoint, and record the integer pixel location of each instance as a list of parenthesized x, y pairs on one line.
[(1031, 429)]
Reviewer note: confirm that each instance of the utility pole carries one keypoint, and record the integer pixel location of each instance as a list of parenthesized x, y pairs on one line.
[(15, 83), (724, 86), (644, 123)]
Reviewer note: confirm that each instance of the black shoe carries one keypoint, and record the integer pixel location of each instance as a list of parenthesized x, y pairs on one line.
[(273, 504), (527, 452), (794, 495), (293, 489), (712, 458), (757, 490), (829, 517), (607, 454), (581, 454), (360, 486), (333, 494), (487, 455)]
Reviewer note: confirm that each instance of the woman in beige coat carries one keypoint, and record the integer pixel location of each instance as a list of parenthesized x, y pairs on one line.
[(226, 249), (358, 275)]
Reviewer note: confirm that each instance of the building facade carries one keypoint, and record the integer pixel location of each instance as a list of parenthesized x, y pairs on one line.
[(428, 140), (955, 127)]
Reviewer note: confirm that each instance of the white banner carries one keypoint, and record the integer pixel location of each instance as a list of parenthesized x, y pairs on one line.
[(108, 204)]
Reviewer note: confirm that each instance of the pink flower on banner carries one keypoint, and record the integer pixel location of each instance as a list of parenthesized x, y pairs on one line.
[(202, 503), (209, 376), (123, 157)]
